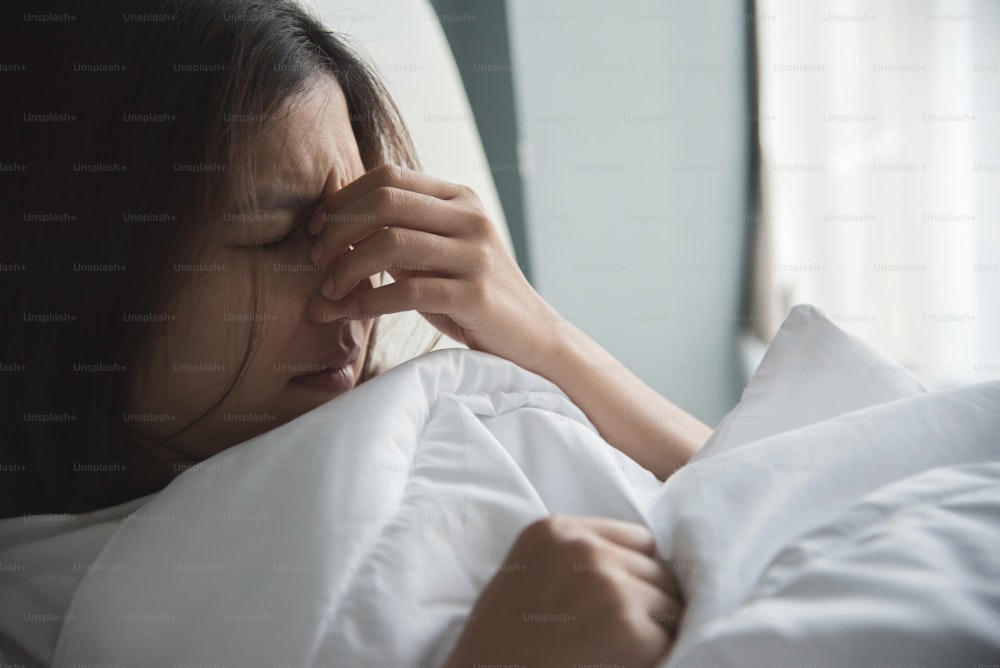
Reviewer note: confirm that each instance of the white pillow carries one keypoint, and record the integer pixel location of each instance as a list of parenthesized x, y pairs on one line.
[(812, 371), (825, 421), (908, 577)]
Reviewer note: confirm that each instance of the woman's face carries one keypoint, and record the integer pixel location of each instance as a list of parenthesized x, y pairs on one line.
[(302, 338)]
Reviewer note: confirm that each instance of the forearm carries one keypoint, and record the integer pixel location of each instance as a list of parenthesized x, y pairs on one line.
[(629, 414)]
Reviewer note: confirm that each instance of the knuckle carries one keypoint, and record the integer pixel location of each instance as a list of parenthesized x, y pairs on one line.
[(479, 293), (607, 587), (538, 528), (480, 222), (480, 256), (545, 530), (382, 196), (635, 621), (394, 238), (466, 192), (387, 197), (646, 540), (412, 291), (583, 549), (609, 583), (390, 173), (560, 526)]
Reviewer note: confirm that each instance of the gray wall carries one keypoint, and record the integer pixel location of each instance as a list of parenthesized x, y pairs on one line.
[(634, 127), (478, 36)]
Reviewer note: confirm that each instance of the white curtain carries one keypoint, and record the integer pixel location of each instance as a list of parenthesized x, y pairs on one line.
[(880, 141)]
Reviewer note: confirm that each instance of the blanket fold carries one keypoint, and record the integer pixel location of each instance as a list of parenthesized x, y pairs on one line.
[(359, 534)]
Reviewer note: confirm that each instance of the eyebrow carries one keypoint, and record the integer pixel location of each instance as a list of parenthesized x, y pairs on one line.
[(282, 201)]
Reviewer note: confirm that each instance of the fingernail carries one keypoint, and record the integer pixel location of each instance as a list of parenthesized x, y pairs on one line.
[(316, 253), (316, 223), (328, 287)]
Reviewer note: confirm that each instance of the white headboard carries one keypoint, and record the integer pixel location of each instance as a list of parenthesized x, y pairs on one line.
[(404, 40)]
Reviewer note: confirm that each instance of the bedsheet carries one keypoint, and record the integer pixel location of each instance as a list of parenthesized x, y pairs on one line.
[(362, 532)]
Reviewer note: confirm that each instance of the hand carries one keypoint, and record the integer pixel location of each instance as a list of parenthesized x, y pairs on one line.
[(574, 590), (445, 255)]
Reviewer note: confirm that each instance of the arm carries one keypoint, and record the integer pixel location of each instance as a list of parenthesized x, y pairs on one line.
[(628, 413), (450, 264)]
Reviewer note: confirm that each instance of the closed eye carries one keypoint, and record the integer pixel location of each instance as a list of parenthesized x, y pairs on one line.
[(277, 244), (274, 245)]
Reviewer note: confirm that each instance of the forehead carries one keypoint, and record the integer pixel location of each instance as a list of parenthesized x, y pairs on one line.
[(311, 138)]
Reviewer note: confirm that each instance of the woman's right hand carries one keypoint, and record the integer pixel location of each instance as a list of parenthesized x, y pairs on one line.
[(574, 590)]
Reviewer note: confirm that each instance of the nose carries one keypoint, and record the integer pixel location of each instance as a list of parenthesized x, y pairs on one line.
[(323, 311)]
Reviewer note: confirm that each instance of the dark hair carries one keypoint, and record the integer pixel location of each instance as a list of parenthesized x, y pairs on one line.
[(123, 153)]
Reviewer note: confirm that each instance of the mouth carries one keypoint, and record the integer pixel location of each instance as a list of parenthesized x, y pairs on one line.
[(332, 375)]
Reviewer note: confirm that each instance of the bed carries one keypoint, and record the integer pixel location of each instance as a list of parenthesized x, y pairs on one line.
[(841, 515)]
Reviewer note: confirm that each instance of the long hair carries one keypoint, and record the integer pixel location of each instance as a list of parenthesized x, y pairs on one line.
[(119, 129)]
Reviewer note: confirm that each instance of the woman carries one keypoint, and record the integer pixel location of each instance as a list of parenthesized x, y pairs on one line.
[(212, 197)]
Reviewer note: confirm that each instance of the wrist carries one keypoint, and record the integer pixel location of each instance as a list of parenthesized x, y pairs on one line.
[(554, 346), (569, 357)]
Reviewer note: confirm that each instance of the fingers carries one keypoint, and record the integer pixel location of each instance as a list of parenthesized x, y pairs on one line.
[(605, 571), (662, 609), (386, 207), (641, 544), (393, 196), (627, 534), (386, 176), (647, 569), (627, 545), (324, 311), (401, 252), (423, 294)]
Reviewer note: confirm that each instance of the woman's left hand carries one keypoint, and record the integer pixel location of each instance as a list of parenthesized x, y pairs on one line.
[(445, 255)]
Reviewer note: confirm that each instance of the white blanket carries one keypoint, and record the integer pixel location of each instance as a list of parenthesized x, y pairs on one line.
[(361, 533), (840, 516)]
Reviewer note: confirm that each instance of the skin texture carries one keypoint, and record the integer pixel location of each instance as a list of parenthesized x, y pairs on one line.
[(311, 149)]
